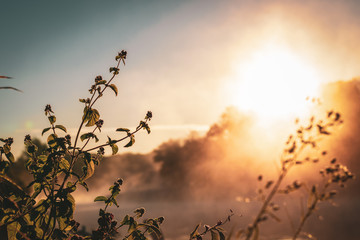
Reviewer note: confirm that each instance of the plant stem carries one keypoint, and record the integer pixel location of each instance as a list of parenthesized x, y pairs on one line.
[(306, 216), (266, 203), (284, 170), (73, 157), (87, 141), (310, 210), (116, 141)]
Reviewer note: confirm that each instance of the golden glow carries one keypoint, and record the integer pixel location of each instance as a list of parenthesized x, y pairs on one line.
[(274, 83)]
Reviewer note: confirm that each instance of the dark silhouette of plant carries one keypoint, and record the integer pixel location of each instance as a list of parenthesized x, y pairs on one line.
[(300, 149), (335, 174), (47, 213), (216, 231)]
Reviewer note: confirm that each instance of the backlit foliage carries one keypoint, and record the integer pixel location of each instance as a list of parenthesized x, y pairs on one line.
[(48, 212)]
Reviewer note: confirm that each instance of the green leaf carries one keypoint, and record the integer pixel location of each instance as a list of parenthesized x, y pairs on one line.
[(52, 140), (86, 136), (89, 135), (156, 231), (69, 184), (114, 70), (91, 116), (84, 184), (123, 130), (113, 200), (42, 206), (132, 224), (100, 199), (114, 191), (39, 232), (10, 157), (70, 187), (94, 116), (101, 82), (139, 212), (7, 148), (52, 119), (31, 148), (87, 156), (114, 149), (90, 168), (42, 158), (160, 220), (71, 201), (114, 88), (45, 130), (12, 229), (64, 164), (27, 219), (146, 126), (132, 141), (37, 187), (152, 228), (62, 224), (61, 127), (37, 190), (125, 220), (86, 114)]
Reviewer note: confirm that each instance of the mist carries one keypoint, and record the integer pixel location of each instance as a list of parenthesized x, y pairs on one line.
[(201, 177)]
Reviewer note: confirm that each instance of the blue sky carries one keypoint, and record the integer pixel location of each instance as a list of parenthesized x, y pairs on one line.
[(181, 57)]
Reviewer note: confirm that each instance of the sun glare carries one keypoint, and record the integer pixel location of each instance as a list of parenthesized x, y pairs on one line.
[(274, 83)]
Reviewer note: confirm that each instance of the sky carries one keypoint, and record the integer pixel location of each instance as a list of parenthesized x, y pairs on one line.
[(187, 60)]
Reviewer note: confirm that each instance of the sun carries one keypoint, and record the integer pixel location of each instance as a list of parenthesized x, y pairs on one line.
[(274, 82)]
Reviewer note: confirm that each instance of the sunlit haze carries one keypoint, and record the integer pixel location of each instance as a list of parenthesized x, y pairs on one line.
[(274, 83), (226, 82), (186, 66)]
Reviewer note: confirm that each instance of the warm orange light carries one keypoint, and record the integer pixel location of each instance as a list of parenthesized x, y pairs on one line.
[(274, 83)]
